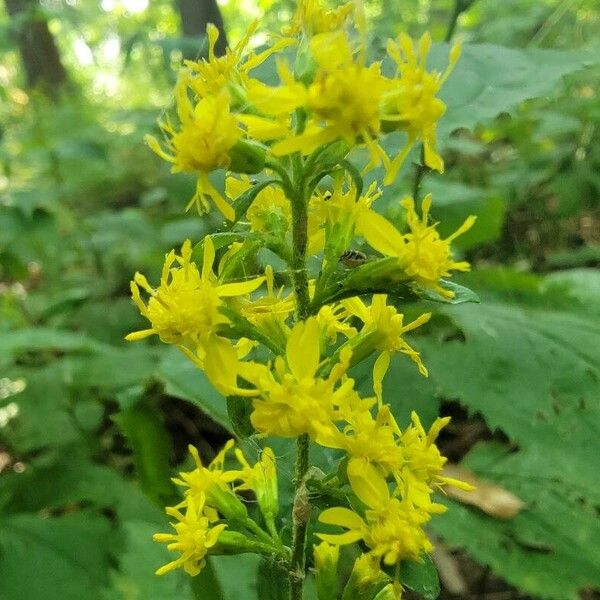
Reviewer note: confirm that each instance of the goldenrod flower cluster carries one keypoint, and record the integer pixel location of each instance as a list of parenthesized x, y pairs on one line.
[(283, 341)]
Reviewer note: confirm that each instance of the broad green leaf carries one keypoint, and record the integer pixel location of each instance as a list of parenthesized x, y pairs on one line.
[(152, 448), (16, 342), (489, 80), (57, 558), (72, 480), (454, 202), (44, 416), (550, 548), (242, 586), (135, 579), (184, 380)]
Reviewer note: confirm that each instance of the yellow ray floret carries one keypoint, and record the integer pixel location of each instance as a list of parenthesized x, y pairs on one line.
[(422, 254), (312, 17), (411, 103), (208, 131), (193, 537), (184, 308), (293, 399), (343, 100)]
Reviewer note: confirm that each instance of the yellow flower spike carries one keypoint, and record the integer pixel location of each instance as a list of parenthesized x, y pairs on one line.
[(210, 77), (343, 99), (193, 537), (203, 143), (392, 530), (201, 479), (422, 470)]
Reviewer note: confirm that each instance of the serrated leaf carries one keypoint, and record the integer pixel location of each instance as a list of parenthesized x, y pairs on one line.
[(489, 80), (550, 548)]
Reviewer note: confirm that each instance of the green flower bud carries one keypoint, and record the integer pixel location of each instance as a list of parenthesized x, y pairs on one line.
[(247, 157)]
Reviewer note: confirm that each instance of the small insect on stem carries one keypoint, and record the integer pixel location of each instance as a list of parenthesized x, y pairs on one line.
[(353, 258)]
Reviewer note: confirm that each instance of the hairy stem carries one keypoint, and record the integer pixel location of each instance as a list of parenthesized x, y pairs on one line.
[(300, 517), (301, 507)]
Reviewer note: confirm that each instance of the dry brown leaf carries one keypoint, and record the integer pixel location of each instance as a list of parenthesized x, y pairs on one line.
[(488, 497)]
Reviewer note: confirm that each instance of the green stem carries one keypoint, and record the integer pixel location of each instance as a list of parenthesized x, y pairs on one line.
[(301, 507), (300, 517), (420, 173), (300, 241), (460, 6)]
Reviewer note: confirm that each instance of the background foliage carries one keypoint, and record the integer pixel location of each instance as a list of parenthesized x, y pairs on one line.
[(91, 428)]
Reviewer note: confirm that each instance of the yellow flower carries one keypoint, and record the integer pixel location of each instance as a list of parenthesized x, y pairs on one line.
[(383, 328), (369, 440), (202, 479), (422, 254), (326, 563), (424, 463), (203, 143), (343, 99), (334, 319), (212, 483), (270, 311), (184, 309), (391, 529), (411, 104), (312, 18), (270, 211), (293, 400), (217, 73), (365, 578), (193, 537), (262, 480), (341, 212)]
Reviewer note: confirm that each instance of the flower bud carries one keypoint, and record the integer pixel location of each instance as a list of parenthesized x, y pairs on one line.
[(226, 502), (326, 562), (247, 157)]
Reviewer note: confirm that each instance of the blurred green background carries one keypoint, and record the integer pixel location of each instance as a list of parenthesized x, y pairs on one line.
[(91, 428)]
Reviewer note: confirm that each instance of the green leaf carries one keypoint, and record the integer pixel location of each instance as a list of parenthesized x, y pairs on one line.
[(550, 548), (462, 294), (239, 410), (242, 586), (44, 409), (421, 577), (184, 380), (152, 448), (272, 580), (244, 202), (489, 80), (141, 556), (55, 558), (14, 343)]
